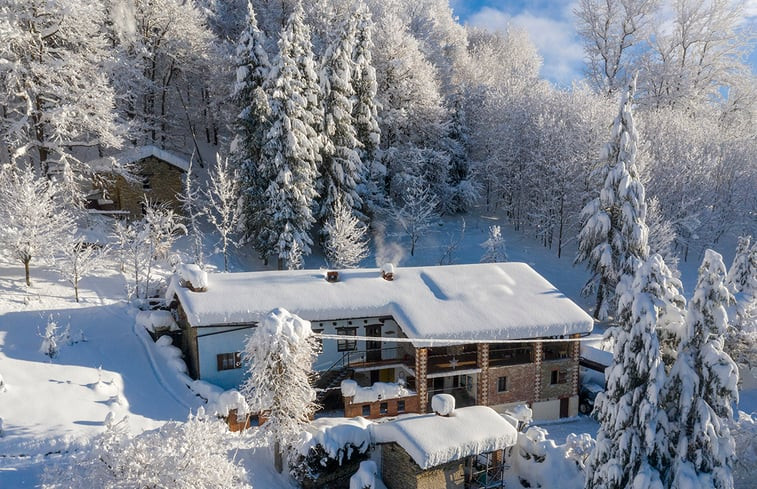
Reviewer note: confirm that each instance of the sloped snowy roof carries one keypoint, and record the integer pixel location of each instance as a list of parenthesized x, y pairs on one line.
[(433, 440), (132, 155), (475, 302)]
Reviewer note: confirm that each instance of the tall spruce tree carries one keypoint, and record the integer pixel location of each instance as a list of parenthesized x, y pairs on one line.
[(365, 111), (290, 152), (628, 411), (702, 387), (613, 239), (251, 125), (341, 169)]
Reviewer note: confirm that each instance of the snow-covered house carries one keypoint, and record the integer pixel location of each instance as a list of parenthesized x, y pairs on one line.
[(158, 173), (492, 334)]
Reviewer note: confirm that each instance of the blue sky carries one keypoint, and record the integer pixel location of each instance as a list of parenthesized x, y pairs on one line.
[(551, 26)]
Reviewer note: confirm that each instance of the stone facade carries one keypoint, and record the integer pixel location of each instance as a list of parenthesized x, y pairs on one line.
[(399, 471), (564, 386), (520, 384), (156, 179)]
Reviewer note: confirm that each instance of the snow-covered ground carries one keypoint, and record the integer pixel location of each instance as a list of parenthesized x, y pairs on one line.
[(108, 366)]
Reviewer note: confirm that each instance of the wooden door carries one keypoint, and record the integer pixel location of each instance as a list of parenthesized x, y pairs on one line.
[(373, 348), (564, 403)]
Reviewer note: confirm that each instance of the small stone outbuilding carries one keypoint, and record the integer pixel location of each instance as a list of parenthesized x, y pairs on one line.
[(432, 451), (156, 174)]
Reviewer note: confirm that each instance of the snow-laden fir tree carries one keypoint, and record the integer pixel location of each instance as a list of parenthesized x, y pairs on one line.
[(613, 239), (701, 389), (178, 455), (279, 356), (740, 272), (222, 207), (341, 169), (291, 149), (251, 125), (346, 243), (629, 410), (33, 225), (365, 111), (418, 213), (494, 246)]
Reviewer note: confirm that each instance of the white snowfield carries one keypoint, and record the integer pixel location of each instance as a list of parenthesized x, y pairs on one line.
[(474, 302), (433, 440)]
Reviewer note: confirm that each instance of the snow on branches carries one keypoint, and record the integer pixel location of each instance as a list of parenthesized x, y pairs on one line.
[(279, 357)]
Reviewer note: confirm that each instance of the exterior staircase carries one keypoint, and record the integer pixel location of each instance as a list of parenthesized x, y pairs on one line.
[(327, 386)]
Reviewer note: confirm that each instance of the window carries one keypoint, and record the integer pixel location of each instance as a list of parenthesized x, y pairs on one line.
[(229, 361), (146, 185), (502, 384), (401, 406), (559, 377), (384, 408), (345, 344), (557, 350), (366, 410)]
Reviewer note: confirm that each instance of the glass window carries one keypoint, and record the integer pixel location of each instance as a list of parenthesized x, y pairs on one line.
[(343, 344), (229, 361), (502, 384), (401, 406)]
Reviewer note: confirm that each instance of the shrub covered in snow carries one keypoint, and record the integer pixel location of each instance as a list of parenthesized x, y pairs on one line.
[(443, 404), (365, 477), (178, 455), (330, 449), (537, 461)]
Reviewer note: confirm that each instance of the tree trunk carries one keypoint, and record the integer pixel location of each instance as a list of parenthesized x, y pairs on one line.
[(600, 297), (278, 459), (26, 270)]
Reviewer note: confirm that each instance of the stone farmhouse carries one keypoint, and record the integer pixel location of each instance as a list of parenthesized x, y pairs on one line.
[(155, 173), (495, 334)]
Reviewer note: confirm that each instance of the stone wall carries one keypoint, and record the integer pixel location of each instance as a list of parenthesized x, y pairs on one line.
[(560, 390), (399, 471), (520, 384), (165, 181)]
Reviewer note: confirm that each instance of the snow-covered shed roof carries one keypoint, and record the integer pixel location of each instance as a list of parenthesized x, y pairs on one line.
[(433, 440), (137, 153), (477, 302)]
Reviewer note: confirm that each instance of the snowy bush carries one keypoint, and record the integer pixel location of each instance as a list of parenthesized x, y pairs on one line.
[(78, 259), (53, 339), (365, 477), (744, 431), (537, 461), (176, 456), (345, 243)]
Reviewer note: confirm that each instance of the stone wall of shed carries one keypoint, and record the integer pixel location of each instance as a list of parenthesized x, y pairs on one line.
[(165, 183), (399, 471)]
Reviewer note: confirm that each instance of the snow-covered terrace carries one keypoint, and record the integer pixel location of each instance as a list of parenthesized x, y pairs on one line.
[(433, 440), (475, 302)]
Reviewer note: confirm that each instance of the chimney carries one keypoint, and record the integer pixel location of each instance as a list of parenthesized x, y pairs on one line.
[(387, 272), (332, 276)]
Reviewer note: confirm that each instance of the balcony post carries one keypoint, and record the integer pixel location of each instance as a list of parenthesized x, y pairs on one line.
[(421, 383), (576, 359), (538, 357), (482, 360)]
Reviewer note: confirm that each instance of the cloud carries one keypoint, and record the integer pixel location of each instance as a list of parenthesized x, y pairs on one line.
[(554, 35)]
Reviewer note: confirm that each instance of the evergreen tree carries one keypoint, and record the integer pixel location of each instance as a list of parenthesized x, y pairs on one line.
[(251, 125), (628, 411), (365, 111), (291, 150), (495, 246), (613, 239), (702, 387), (345, 245), (341, 168), (740, 271)]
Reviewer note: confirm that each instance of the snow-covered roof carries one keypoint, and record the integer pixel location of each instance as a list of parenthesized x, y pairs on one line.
[(477, 302), (433, 440), (137, 153)]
